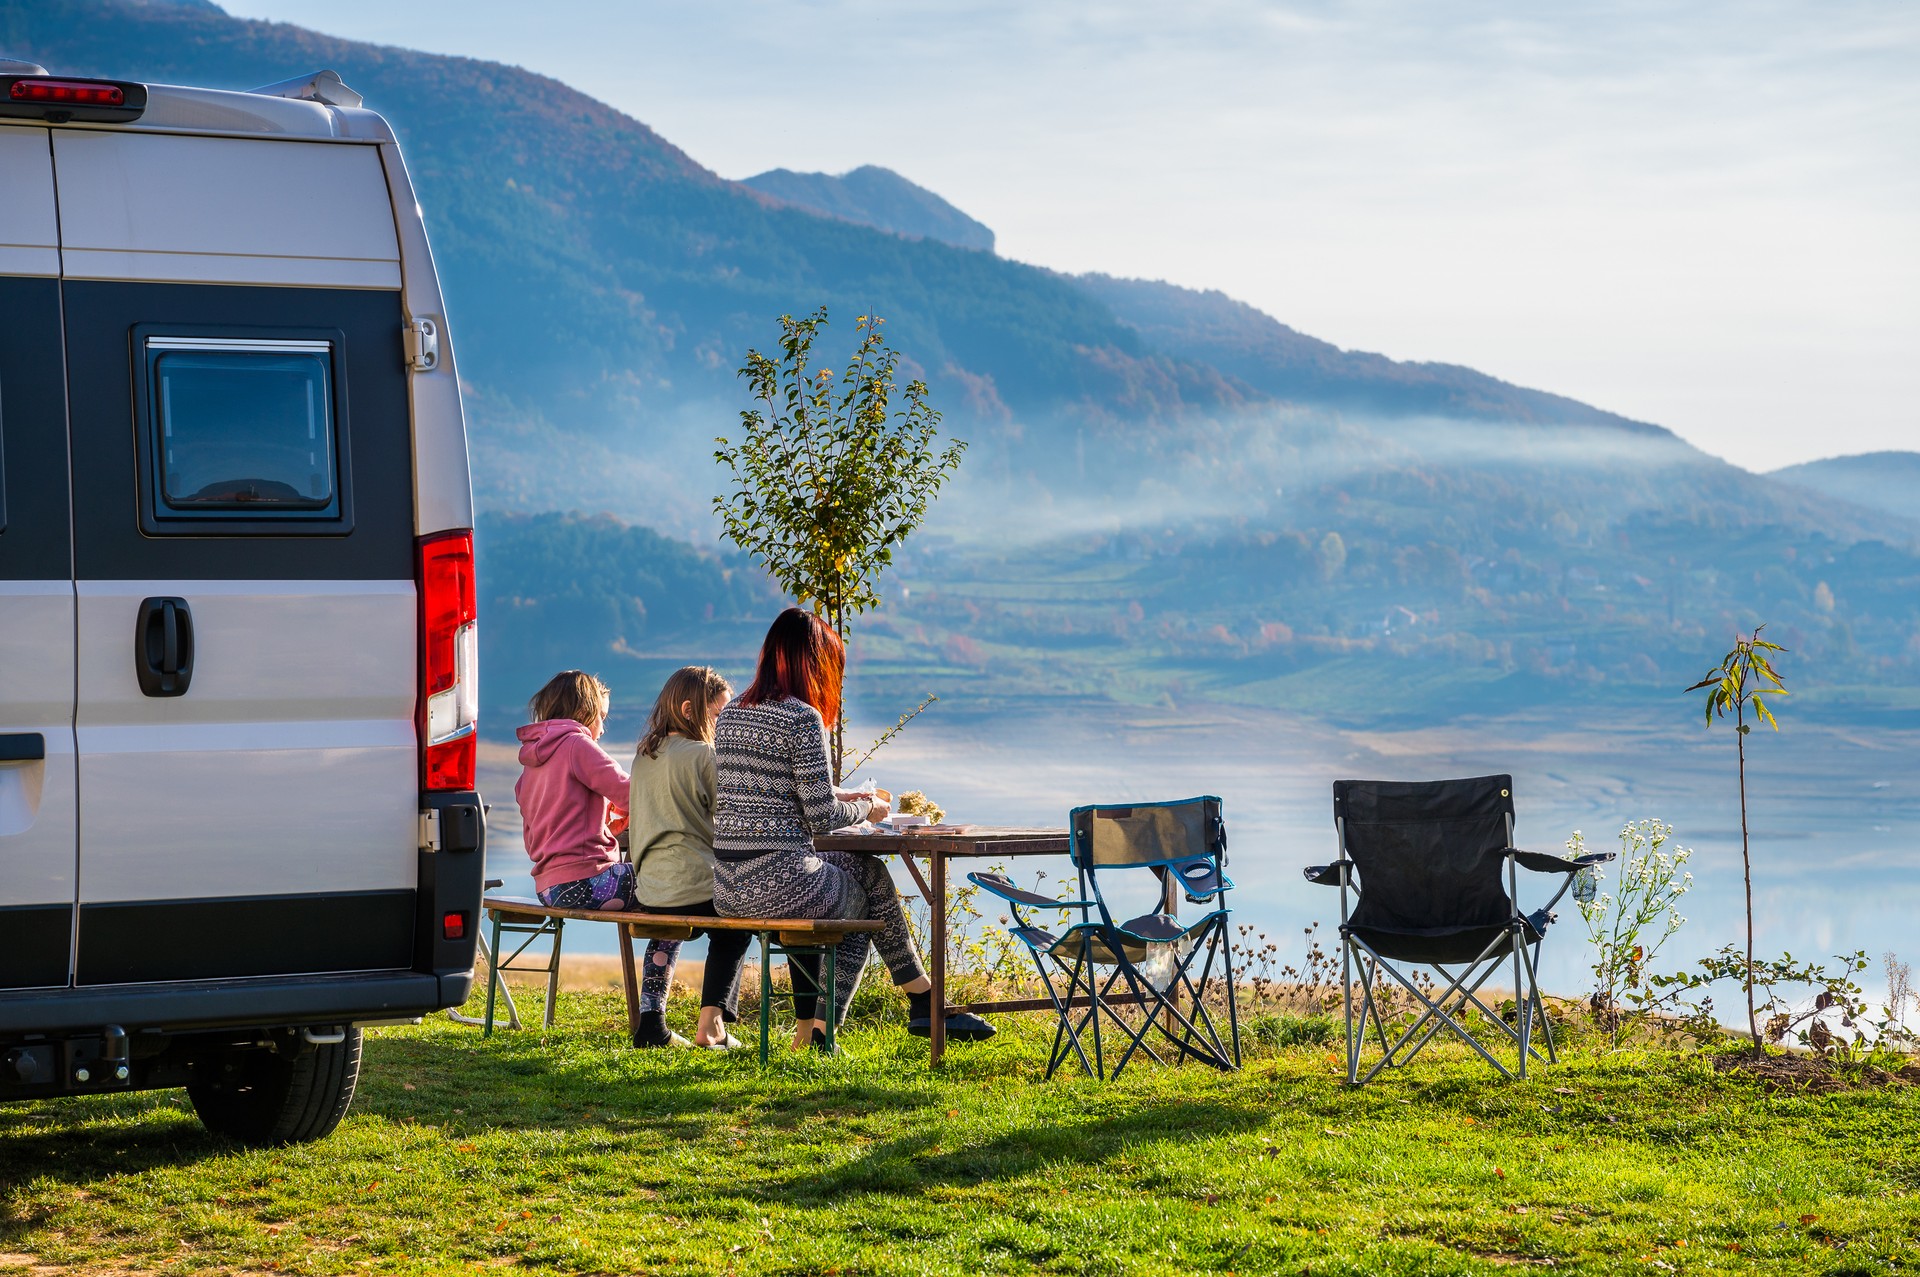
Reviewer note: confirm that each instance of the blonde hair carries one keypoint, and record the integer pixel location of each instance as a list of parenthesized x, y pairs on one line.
[(698, 686), (573, 694)]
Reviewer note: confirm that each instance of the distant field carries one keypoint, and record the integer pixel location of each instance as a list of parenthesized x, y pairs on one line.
[(568, 1152)]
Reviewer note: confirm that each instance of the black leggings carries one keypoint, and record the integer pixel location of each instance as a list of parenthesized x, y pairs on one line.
[(720, 987)]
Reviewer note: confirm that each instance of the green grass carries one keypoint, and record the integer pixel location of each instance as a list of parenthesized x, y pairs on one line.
[(567, 1151)]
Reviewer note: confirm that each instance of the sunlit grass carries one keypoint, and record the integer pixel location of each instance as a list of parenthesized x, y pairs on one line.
[(568, 1151)]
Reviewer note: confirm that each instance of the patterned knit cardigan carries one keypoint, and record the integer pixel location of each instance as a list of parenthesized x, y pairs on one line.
[(773, 787)]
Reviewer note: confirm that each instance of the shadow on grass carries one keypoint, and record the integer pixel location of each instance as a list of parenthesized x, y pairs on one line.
[(913, 1163), (78, 1140), (570, 1083)]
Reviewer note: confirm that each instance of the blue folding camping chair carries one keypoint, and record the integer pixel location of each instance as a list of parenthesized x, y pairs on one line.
[(1151, 961)]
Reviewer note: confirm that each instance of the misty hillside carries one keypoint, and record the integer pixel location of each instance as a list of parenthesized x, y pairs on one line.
[(877, 197), (1169, 494), (1212, 328), (1884, 481)]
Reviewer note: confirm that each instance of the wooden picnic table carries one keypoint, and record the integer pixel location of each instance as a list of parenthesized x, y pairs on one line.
[(978, 843)]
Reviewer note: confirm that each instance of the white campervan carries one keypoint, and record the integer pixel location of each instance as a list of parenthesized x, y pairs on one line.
[(238, 815)]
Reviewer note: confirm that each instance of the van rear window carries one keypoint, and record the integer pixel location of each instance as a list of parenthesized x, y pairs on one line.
[(242, 428)]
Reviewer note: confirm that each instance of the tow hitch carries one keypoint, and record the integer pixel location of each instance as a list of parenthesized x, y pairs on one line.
[(67, 1065)]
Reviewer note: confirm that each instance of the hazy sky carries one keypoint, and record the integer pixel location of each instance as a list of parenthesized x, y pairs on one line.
[(1706, 216)]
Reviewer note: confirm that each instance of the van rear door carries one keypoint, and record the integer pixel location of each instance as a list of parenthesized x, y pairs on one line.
[(37, 806), (244, 554)]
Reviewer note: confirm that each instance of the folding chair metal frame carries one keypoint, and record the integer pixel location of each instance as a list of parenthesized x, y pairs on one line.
[(1198, 1038), (1046, 949), (1096, 941), (1519, 938)]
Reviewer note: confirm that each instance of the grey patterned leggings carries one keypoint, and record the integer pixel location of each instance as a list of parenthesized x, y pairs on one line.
[(823, 885)]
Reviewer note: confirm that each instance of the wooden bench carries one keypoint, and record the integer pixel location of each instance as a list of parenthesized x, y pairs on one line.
[(787, 937)]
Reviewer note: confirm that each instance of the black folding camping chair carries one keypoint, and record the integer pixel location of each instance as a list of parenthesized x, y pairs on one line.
[(1429, 857), (1151, 959)]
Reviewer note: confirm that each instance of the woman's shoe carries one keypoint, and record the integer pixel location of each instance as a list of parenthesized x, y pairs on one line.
[(963, 1026), (820, 1044), (643, 1042), (728, 1043)]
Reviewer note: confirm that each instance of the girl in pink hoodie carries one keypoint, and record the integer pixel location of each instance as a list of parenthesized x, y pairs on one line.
[(573, 797)]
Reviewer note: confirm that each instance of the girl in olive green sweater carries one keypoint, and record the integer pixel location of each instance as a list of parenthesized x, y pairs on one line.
[(670, 831)]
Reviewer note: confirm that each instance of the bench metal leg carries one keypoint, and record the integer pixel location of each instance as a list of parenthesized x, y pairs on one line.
[(553, 971), (501, 962), (495, 980), (833, 994), (506, 994), (766, 995), (768, 948)]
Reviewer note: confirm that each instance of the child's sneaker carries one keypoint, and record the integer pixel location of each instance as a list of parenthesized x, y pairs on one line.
[(653, 1031)]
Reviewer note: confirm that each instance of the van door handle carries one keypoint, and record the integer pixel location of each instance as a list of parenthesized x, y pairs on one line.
[(163, 647), (22, 747)]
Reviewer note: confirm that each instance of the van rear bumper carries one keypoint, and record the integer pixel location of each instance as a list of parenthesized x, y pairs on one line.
[(276, 1001)]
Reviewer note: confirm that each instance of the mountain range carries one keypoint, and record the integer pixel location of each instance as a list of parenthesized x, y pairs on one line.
[(1885, 481), (1168, 494)]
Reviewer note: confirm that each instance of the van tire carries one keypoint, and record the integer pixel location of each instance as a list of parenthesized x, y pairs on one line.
[(271, 1099)]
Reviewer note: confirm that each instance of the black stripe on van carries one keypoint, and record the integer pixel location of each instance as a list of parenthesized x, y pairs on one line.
[(35, 521), (101, 316), (237, 936), (35, 943)]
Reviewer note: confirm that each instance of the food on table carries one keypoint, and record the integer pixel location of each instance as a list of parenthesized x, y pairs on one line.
[(915, 803)]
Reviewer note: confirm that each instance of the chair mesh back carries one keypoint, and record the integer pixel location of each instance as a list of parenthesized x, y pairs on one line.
[(1428, 851), (1145, 834)]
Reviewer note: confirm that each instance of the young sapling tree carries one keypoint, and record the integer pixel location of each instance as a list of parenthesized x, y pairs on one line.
[(1740, 686), (833, 470)]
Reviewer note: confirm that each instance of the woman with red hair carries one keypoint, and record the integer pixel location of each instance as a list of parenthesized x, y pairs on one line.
[(774, 791)]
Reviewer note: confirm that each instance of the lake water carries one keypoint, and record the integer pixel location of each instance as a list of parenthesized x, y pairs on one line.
[(1835, 811)]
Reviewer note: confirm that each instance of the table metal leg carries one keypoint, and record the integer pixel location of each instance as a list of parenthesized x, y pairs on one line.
[(937, 1030), (629, 982)]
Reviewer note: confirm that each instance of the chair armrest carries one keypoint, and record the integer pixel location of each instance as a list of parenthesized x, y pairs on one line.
[(1200, 877), (1545, 862), (1329, 875), (1003, 887)]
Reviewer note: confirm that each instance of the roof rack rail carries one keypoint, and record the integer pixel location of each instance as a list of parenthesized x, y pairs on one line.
[(324, 87)]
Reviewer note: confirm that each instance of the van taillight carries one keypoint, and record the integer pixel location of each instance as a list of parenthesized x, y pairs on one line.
[(449, 663)]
